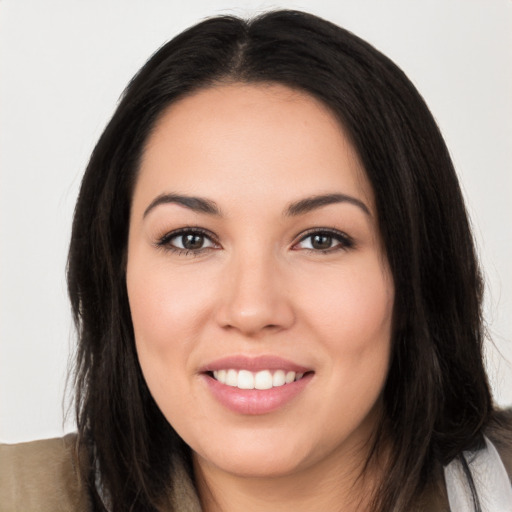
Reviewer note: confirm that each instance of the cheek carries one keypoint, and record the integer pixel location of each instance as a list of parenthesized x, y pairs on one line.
[(165, 306), (354, 309), (169, 309), (164, 314), (353, 319)]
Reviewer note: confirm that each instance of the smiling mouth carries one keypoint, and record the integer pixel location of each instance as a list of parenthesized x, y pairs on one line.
[(261, 380)]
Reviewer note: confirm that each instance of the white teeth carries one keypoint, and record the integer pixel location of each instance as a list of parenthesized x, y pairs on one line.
[(264, 379), (245, 380), (232, 378), (279, 378)]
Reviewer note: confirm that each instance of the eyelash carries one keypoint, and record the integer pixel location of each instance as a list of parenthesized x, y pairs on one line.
[(345, 241), (165, 241)]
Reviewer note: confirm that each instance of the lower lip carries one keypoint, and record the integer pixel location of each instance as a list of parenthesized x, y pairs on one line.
[(256, 401)]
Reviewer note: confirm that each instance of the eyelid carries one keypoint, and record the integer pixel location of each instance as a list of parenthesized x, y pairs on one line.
[(346, 241), (163, 242)]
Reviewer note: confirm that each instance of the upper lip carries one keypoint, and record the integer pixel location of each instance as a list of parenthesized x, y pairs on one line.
[(254, 364)]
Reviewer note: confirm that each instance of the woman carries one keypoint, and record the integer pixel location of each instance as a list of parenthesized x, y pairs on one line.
[(275, 288)]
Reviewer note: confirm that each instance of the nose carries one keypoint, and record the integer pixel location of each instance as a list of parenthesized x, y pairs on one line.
[(254, 298)]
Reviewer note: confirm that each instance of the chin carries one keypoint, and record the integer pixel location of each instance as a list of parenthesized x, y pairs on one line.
[(261, 467), (256, 457)]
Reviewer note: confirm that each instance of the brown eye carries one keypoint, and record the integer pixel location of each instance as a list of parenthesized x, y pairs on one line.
[(187, 241), (325, 241), (321, 242), (192, 241)]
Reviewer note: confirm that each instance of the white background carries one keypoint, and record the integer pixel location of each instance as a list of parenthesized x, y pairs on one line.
[(63, 65)]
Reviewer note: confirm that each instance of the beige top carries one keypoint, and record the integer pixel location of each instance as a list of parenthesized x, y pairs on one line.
[(41, 476)]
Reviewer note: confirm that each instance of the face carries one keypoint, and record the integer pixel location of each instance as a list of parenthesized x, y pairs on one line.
[(260, 295)]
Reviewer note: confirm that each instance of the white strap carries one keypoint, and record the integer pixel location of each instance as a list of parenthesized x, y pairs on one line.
[(490, 478)]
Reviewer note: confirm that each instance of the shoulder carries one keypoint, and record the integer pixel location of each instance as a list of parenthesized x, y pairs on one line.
[(499, 431), (41, 476)]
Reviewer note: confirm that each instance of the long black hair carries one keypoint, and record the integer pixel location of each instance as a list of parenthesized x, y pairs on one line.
[(436, 398)]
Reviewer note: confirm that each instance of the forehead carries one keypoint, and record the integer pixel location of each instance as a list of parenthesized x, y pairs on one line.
[(251, 139)]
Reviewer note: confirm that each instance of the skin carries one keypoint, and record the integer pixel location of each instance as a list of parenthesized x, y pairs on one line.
[(259, 287)]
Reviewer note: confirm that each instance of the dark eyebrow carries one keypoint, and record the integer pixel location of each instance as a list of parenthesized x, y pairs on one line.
[(197, 204), (314, 202)]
